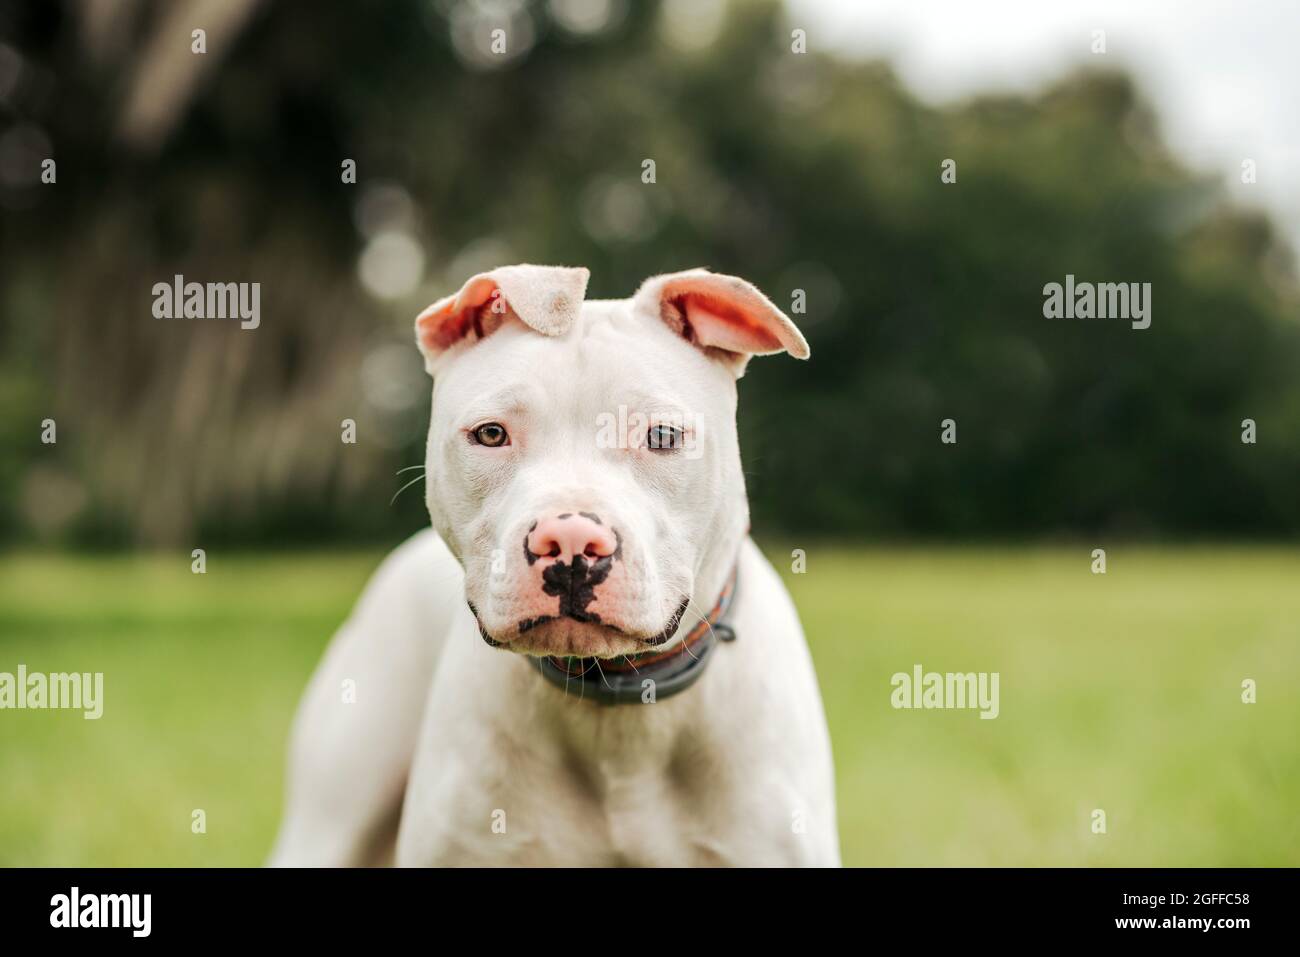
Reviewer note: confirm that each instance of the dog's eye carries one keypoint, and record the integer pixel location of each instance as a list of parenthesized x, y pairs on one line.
[(664, 438), (493, 435)]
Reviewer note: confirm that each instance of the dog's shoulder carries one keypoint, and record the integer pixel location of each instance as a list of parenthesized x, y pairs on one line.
[(420, 582)]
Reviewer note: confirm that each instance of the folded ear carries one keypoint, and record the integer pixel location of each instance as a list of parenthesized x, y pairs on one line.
[(725, 316), (545, 298)]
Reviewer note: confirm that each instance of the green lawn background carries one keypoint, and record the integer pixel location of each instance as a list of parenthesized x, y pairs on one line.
[(1120, 692)]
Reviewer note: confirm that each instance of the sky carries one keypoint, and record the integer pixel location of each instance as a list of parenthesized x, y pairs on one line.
[(1224, 76)]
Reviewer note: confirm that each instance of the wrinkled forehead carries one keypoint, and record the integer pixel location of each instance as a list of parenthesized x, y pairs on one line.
[(611, 356)]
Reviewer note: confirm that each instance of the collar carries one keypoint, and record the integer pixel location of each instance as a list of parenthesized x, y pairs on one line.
[(622, 680)]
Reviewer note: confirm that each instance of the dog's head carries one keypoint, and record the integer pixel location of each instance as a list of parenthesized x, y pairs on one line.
[(582, 460)]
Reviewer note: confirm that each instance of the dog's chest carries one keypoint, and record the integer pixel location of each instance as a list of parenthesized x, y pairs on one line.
[(655, 818), (625, 829), (548, 804)]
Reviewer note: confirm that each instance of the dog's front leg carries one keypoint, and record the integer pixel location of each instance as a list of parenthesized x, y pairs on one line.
[(356, 728)]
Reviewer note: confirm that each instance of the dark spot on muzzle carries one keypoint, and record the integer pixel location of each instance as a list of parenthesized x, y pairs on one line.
[(574, 583)]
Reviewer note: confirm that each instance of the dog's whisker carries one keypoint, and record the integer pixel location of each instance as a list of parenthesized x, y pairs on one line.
[(690, 606), (418, 478), (407, 469)]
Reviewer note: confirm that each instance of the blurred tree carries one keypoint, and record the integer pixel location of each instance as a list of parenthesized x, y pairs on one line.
[(798, 171)]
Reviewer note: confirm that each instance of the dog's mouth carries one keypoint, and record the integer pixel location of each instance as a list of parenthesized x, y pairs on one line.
[(577, 633)]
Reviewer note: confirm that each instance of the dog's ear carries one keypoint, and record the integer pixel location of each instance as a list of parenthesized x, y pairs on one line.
[(545, 298), (727, 317)]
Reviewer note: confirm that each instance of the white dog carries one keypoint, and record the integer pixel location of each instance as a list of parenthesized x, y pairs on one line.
[(590, 662)]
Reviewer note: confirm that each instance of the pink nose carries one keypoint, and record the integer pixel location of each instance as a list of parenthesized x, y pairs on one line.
[(564, 536)]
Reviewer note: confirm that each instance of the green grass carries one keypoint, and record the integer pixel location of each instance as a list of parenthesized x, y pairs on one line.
[(1120, 692)]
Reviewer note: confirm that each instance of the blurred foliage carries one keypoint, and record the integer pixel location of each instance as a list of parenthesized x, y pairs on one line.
[(796, 171)]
